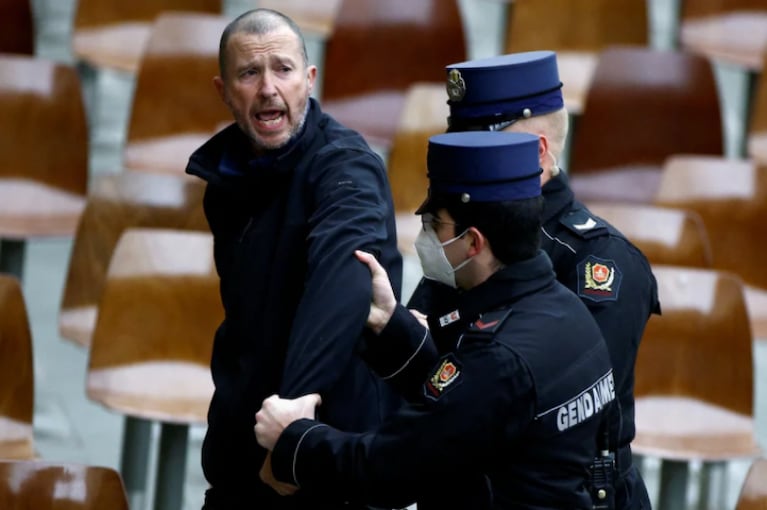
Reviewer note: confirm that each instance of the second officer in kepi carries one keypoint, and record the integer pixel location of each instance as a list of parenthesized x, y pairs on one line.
[(522, 397)]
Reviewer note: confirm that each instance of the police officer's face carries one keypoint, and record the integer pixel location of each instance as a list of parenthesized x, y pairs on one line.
[(266, 85)]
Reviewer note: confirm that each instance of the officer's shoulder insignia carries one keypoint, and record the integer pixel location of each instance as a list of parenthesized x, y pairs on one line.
[(448, 374), (599, 279), (490, 322), (584, 224)]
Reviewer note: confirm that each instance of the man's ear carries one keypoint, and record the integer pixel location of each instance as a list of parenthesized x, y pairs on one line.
[(311, 77), (218, 82), (478, 241)]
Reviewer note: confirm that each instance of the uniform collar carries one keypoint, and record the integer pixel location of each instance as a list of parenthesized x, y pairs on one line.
[(557, 196)]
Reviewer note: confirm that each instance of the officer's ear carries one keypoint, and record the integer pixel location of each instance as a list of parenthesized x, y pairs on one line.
[(477, 241)]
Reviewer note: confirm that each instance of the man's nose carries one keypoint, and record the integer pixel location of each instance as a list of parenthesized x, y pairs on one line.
[(268, 88)]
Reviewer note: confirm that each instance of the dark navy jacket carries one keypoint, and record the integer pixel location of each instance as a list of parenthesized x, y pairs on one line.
[(285, 228), (521, 399), (610, 275)]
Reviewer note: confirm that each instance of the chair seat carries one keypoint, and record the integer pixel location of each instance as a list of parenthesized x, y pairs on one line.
[(737, 37), (375, 116), (119, 46), (78, 323), (683, 428), (633, 184), (29, 208), (187, 389), (757, 147), (15, 439), (163, 154), (576, 69)]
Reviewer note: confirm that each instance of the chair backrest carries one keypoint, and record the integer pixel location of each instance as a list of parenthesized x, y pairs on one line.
[(391, 44), (174, 88), (93, 13), (753, 493), (665, 235), (702, 8), (701, 340), (575, 25), (47, 139), (16, 373), (116, 203), (643, 106), (731, 198), (17, 28), (46, 486)]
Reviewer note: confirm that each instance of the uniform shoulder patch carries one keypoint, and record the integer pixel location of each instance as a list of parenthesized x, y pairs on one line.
[(489, 322), (599, 279), (584, 224), (447, 375)]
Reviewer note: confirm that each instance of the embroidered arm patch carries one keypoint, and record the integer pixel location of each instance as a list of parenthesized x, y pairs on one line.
[(599, 279), (446, 375)]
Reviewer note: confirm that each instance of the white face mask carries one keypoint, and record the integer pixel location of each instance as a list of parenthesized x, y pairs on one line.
[(434, 262)]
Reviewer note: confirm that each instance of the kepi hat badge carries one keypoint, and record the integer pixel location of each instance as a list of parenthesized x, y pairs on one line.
[(456, 87)]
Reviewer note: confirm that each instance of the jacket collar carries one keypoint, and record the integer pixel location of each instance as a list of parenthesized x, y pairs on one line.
[(557, 197)]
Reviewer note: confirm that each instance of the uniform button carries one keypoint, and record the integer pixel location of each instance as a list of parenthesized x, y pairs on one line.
[(602, 494)]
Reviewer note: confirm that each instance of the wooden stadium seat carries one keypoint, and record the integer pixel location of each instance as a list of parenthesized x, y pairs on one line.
[(43, 154), (731, 31), (16, 374), (757, 132), (731, 198), (403, 42), (17, 27), (577, 30), (665, 235), (38, 485), (424, 114), (643, 106), (753, 494), (694, 377), (113, 33), (116, 203), (175, 106), (150, 354)]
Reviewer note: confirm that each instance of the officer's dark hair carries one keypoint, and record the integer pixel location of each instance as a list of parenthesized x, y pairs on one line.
[(513, 228), (259, 22)]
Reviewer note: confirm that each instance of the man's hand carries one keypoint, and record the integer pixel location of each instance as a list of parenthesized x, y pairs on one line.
[(266, 475), (277, 413), (383, 302), (423, 319)]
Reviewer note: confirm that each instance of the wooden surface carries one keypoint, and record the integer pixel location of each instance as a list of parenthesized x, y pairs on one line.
[(753, 494), (113, 34), (731, 198), (117, 202), (694, 373), (159, 310), (17, 28), (16, 373), (397, 38), (314, 17), (175, 106), (46, 486), (665, 235), (643, 106)]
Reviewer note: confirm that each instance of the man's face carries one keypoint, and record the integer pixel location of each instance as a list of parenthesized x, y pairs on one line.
[(266, 86)]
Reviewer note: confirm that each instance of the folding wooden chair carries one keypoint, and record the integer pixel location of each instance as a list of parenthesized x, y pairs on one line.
[(26, 485), (175, 106), (577, 30), (694, 378), (150, 355), (43, 154), (731, 198), (16, 374), (401, 42), (118, 202), (753, 494), (665, 235), (113, 34), (17, 28), (643, 106)]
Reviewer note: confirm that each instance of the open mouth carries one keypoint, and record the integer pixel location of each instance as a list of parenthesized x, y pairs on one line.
[(270, 118)]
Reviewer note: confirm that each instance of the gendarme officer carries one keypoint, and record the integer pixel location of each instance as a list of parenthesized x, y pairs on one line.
[(521, 92), (523, 395)]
